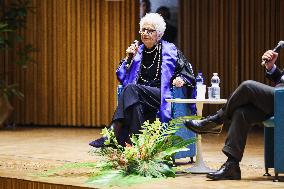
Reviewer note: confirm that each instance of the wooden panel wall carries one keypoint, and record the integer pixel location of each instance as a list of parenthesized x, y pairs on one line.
[(80, 42), (229, 37), (79, 45)]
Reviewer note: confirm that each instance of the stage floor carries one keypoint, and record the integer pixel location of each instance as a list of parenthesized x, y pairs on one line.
[(28, 151)]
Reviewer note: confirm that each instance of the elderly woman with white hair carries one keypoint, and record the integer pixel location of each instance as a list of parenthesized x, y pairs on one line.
[(156, 66)]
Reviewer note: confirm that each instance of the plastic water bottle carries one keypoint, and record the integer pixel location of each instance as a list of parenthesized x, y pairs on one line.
[(199, 79), (200, 87), (215, 81)]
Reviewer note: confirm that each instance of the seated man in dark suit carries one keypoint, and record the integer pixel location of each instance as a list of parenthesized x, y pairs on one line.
[(252, 102)]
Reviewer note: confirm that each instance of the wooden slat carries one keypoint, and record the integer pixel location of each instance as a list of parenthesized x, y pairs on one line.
[(42, 64)]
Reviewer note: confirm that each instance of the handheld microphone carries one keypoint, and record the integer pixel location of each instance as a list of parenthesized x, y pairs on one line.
[(130, 56), (279, 46)]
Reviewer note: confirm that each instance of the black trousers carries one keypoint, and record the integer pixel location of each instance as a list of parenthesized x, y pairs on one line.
[(251, 103), (136, 104)]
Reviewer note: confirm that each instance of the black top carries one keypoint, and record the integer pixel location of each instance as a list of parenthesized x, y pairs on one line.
[(150, 70)]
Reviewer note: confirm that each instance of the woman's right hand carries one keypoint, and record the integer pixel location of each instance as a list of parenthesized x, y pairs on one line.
[(132, 49)]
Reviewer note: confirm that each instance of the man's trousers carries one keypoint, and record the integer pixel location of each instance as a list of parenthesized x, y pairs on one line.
[(251, 103)]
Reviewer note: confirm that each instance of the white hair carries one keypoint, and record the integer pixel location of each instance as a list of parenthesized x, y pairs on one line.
[(157, 21)]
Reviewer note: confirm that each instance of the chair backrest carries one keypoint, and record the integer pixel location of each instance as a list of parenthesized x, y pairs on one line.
[(273, 134), (180, 110), (279, 130)]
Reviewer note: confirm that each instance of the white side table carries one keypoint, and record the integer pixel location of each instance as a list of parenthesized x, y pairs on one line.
[(199, 166)]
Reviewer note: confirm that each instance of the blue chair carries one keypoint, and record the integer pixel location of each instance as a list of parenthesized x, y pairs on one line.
[(180, 110), (274, 137)]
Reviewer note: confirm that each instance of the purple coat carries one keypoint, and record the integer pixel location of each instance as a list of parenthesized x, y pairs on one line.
[(169, 60)]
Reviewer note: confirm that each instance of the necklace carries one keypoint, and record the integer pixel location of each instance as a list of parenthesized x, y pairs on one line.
[(159, 46), (153, 62), (149, 52)]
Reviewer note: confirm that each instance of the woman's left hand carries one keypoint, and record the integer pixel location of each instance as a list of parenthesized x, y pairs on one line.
[(178, 82)]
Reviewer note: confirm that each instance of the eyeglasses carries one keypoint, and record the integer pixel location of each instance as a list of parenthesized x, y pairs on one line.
[(147, 31)]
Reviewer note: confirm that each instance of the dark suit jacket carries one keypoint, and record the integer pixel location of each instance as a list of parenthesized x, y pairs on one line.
[(276, 77)]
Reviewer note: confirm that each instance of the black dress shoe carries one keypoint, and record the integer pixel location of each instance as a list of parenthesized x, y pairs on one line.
[(211, 124), (99, 143), (228, 171)]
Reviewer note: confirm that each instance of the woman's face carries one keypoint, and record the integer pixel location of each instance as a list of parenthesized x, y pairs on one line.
[(149, 35)]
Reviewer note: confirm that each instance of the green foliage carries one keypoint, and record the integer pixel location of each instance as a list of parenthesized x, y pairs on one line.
[(151, 151), (13, 18)]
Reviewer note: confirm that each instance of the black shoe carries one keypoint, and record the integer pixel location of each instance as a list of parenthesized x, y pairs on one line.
[(211, 124), (99, 143), (228, 171)]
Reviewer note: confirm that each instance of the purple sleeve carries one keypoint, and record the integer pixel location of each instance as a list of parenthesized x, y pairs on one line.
[(121, 71)]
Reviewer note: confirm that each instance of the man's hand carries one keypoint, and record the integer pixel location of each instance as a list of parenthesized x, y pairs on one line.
[(178, 82), (270, 56)]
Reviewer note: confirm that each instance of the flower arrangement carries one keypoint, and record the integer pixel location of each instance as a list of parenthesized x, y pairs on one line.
[(150, 153), (149, 156)]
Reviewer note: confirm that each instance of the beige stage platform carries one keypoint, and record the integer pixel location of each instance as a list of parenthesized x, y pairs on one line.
[(27, 151)]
